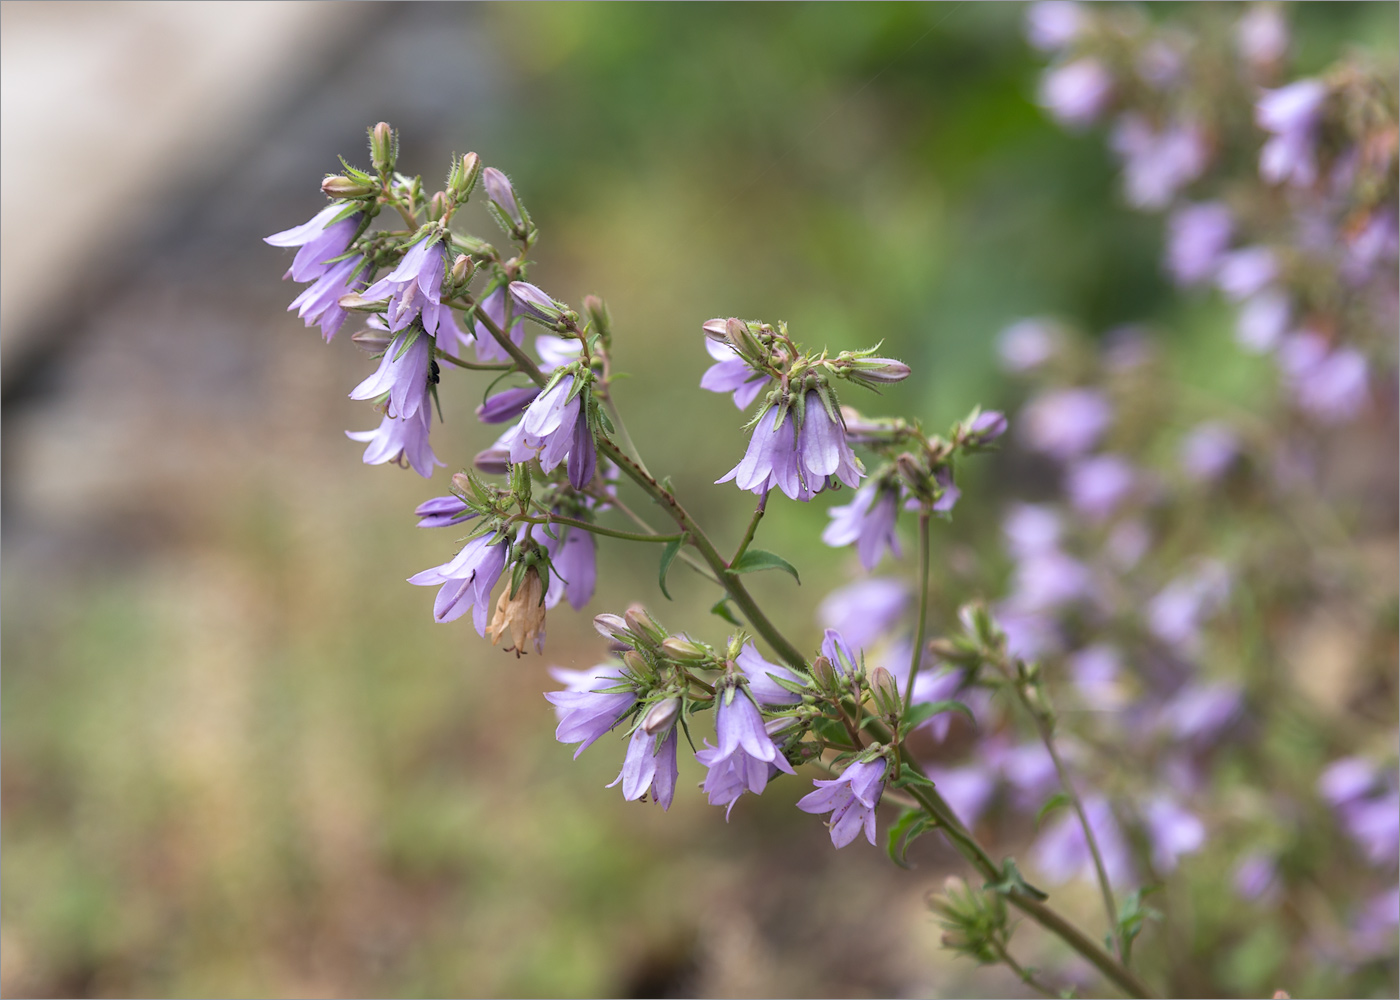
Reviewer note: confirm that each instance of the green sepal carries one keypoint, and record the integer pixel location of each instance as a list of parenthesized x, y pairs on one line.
[(755, 560), (909, 776)]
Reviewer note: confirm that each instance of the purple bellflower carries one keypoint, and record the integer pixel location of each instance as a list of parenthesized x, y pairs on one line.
[(1262, 36), (868, 521), (1330, 385), (760, 673), (851, 799), (650, 764), (1076, 93), (319, 240), (1053, 24), (1176, 613), (488, 350), (1256, 878), (1197, 236), (555, 428), (1291, 114), (501, 194), (535, 303), (864, 611), (319, 303), (574, 555), (400, 440), (587, 709), (1263, 320), (731, 373), (1061, 852), (414, 290), (556, 352), (465, 581), (1172, 832), (798, 462), (402, 376), (442, 512), (1208, 451), (1027, 344), (968, 789), (1246, 272), (746, 756), (1066, 423)]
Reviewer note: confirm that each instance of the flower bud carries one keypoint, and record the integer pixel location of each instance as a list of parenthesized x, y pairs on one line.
[(714, 329), (637, 664), (979, 624), (684, 650), (461, 482), (358, 303), (598, 317), (437, 206), (611, 626), (502, 195), (383, 147), (825, 674), (644, 626), (913, 473), (506, 405), (372, 341), (340, 186), (493, 461), (661, 716), (462, 180), (885, 691), (884, 371), (462, 270), (737, 332), (536, 304)]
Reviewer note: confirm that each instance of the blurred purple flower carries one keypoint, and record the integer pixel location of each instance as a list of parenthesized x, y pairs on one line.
[(1200, 711), (1246, 272), (1256, 878), (1374, 823), (650, 765), (1029, 634), (319, 239), (586, 709), (442, 512), (1262, 35), (1053, 24), (1127, 543), (1374, 930), (1061, 853), (746, 756), (402, 375), (1095, 673), (1076, 93), (1263, 320), (731, 373), (1049, 580), (931, 686), (1347, 779), (1030, 530), (868, 521), (1098, 485), (1176, 613), (866, 610), (1209, 451), (1066, 423), (1197, 236), (851, 799), (400, 440), (1158, 164), (1028, 768), (465, 581), (556, 352), (968, 789), (1378, 242), (1172, 832), (1330, 385), (1028, 344), (1160, 63), (1292, 115)]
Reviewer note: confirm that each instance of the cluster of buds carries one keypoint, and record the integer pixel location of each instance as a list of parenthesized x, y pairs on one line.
[(974, 922)]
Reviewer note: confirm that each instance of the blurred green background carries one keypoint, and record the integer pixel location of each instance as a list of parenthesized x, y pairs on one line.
[(238, 756)]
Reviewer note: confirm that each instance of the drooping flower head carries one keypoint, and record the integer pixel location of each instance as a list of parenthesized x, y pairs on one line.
[(851, 799), (593, 702), (400, 440), (574, 558), (799, 449), (414, 290), (555, 428), (730, 372), (319, 239), (761, 675), (403, 377), (1292, 114), (319, 303), (466, 580), (650, 764), (746, 756), (520, 612)]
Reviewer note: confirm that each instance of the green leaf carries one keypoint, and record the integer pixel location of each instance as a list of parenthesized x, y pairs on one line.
[(927, 710), (830, 729), (668, 556), (722, 609), (1132, 915), (907, 828), (755, 560), (1054, 802)]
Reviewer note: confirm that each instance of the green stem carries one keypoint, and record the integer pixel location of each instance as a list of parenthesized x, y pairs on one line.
[(663, 497), (597, 529), (917, 655), (1025, 975), (1047, 738), (476, 366), (753, 527)]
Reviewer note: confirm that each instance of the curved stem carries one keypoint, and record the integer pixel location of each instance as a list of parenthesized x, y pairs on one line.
[(753, 527), (917, 655), (1047, 737), (476, 366), (1025, 975), (597, 529)]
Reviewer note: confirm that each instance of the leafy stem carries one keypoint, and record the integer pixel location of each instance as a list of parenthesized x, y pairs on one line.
[(917, 655)]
